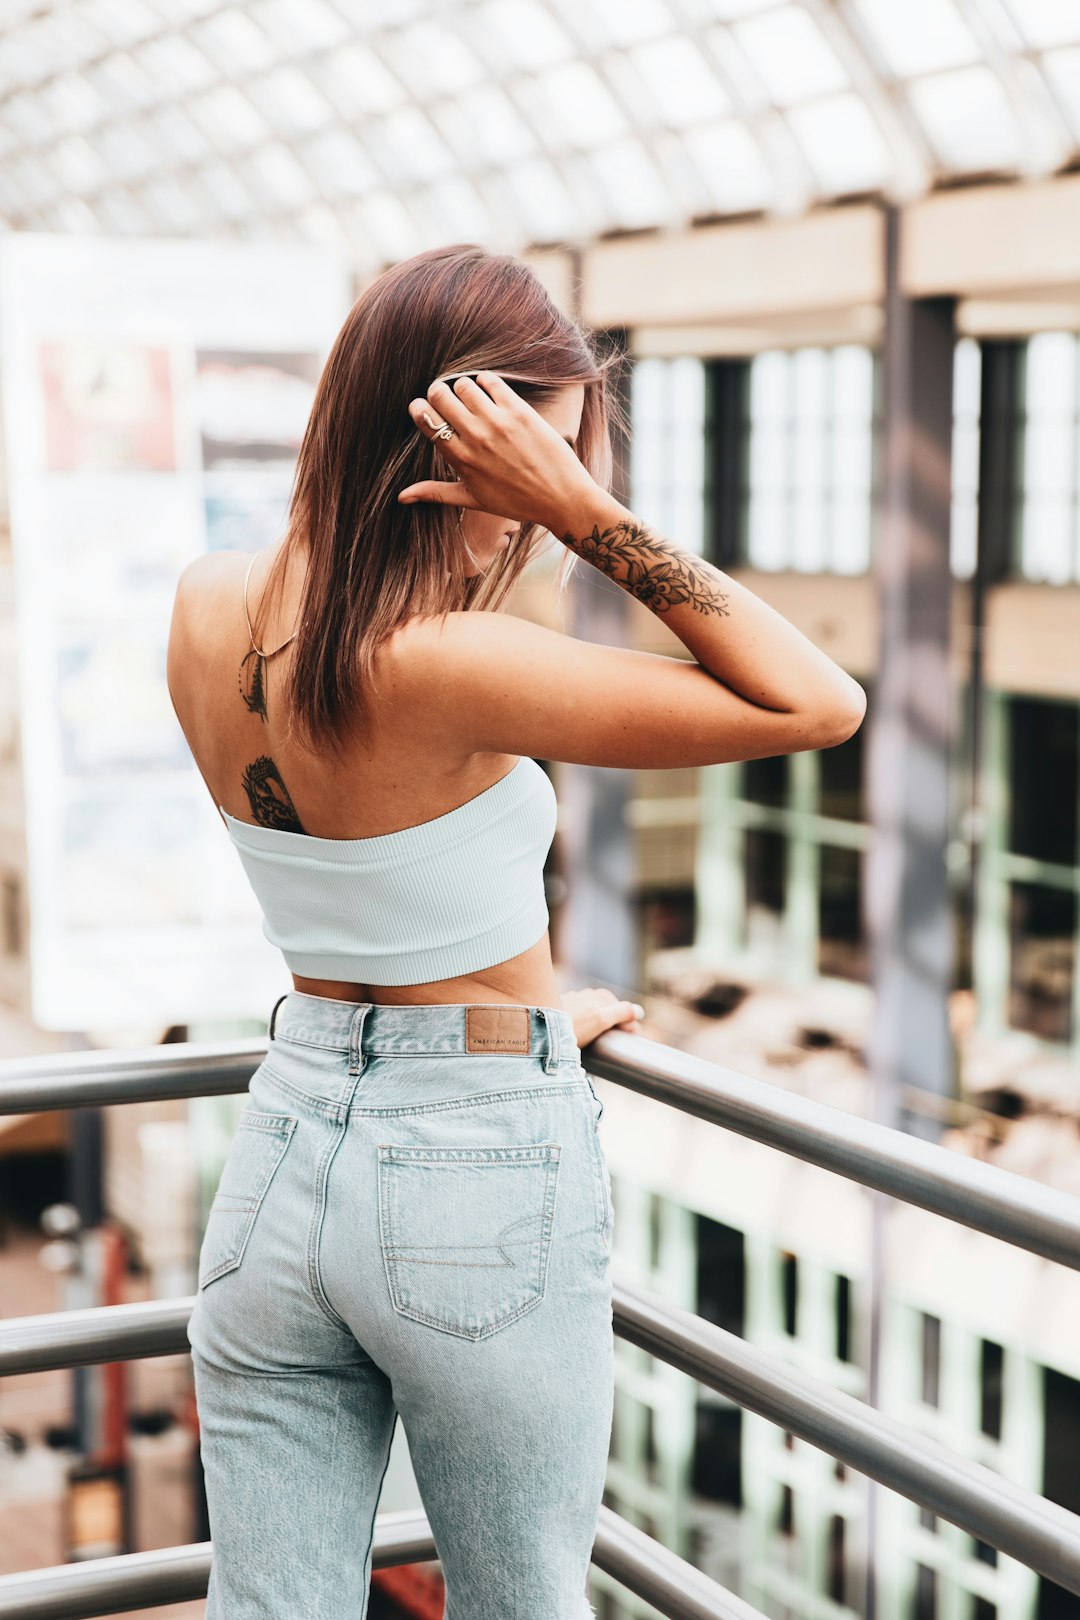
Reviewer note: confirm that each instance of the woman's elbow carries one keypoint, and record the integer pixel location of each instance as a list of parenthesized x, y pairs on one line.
[(844, 719)]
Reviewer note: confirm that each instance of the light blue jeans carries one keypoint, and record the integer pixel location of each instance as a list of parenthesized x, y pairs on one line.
[(414, 1217)]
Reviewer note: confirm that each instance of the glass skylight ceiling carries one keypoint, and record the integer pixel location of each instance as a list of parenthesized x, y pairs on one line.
[(397, 124)]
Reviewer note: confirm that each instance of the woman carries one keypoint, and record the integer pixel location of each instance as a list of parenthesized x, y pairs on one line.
[(415, 1215)]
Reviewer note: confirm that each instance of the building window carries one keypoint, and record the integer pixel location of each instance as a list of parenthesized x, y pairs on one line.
[(799, 856), (1043, 798), (844, 1303), (1048, 538), (765, 869), (667, 448), (841, 947), (967, 390), (991, 1387), (926, 1604), (809, 482), (840, 776), (765, 855), (765, 781), (1042, 955), (789, 1282)]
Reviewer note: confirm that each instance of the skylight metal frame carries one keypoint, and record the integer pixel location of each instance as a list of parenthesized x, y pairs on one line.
[(1047, 123)]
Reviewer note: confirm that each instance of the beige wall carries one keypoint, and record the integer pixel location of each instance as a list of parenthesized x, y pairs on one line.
[(994, 239), (1031, 639), (1014, 250), (829, 260)]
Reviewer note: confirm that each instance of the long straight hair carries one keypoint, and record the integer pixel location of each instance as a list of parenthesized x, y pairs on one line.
[(373, 563)]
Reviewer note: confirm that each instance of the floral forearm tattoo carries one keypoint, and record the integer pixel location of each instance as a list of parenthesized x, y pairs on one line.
[(650, 568)]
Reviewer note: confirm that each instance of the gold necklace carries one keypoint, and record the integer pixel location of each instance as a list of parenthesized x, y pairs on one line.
[(247, 616), (255, 698)]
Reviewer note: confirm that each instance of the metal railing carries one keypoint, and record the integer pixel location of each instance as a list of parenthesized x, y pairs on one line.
[(1017, 1521)]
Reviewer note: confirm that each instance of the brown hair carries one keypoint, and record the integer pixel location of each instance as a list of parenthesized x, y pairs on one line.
[(373, 563)]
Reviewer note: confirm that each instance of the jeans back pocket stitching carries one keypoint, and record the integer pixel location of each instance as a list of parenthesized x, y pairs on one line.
[(549, 1162), (499, 1242), (282, 1126), (253, 1119)]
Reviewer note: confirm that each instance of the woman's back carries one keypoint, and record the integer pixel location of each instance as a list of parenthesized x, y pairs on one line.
[(404, 863), (401, 764)]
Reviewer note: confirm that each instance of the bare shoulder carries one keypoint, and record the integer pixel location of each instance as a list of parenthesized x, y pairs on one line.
[(198, 605), (201, 587), (206, 573)]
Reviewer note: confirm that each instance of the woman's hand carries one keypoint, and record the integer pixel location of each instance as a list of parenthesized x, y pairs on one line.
[(594, 1011), (508, 458)]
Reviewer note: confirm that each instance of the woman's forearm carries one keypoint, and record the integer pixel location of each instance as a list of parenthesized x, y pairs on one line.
[(735, 635)]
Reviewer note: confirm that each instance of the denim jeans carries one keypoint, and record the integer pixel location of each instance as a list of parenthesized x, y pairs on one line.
[(414, 1218)]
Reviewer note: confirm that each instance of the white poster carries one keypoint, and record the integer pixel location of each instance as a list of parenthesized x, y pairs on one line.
[(155, 393)]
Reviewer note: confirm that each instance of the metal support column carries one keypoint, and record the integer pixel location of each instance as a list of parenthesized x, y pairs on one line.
[(908, 917), (908, 913)]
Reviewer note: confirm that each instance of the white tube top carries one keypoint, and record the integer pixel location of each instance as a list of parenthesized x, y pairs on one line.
[(447, 897)]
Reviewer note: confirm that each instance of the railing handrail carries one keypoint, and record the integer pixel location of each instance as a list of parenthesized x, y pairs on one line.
[(98, 1078), (95, 1335), (1017, 1521), (1005, 1205), (1000, 1203), (102, 1586)]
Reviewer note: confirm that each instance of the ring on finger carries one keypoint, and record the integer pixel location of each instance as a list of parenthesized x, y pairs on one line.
[(445, 431)]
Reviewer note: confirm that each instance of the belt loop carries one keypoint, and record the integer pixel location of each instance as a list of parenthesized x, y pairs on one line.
[(357, 1055), (273, 1015), (551, 1053)]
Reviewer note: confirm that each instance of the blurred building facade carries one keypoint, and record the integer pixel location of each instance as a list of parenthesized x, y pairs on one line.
[(750, 920)]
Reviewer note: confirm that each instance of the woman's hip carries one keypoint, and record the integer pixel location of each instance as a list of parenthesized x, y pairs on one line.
[(427, 1193)]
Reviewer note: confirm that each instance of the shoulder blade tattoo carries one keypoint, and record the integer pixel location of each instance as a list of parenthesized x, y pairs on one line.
[(271, 804), (268, 796)]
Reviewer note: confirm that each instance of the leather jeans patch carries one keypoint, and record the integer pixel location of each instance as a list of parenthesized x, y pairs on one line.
[(497, 1029)]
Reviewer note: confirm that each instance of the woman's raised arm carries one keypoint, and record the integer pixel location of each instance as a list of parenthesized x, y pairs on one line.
[(758, 686)]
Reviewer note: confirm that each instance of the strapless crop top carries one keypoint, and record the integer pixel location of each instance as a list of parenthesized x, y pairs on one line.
[(449, 896)]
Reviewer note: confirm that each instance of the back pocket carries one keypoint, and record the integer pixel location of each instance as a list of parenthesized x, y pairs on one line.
[(258, 1147), (465, 1232)]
